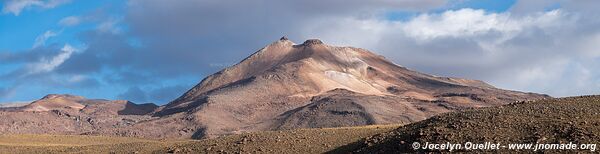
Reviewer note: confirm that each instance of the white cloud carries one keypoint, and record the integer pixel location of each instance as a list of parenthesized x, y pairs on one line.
[(539, 51), (469, 23), (70, 21), (17, 6), (48, 65), (41, 40)]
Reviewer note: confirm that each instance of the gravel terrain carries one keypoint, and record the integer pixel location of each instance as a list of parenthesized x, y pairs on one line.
[(552, 121)]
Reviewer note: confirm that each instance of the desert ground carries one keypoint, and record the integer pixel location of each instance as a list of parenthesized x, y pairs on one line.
[(317, 140)]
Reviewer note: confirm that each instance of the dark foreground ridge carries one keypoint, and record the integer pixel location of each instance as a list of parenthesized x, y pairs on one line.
[(563, 120)]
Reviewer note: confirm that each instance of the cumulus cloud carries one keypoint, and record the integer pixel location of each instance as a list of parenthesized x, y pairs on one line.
[(17, 6), (469, 23)]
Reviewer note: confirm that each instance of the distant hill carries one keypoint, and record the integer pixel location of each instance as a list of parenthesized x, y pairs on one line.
[(68, 114)]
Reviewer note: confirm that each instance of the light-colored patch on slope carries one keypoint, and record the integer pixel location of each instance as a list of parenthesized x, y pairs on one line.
[(329, 80)]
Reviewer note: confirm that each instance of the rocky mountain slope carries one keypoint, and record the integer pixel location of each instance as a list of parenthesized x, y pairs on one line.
[(564, 120), (286, 85)]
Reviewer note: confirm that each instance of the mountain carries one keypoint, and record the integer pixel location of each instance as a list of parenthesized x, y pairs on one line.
[(69, 114), (286, 85), (281, 86)]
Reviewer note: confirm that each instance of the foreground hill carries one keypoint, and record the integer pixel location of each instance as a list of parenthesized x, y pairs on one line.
[(564, 120), (311, 85)]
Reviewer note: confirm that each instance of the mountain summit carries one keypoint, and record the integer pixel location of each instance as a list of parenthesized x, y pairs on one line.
[(286, 85)]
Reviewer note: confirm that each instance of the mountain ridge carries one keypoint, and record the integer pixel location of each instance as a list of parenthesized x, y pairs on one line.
[(283, 85), (283, 76)]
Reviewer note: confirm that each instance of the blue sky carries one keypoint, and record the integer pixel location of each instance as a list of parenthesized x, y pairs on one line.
[(155, 50)]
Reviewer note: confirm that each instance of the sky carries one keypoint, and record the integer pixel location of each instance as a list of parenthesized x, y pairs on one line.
[(155, 50)]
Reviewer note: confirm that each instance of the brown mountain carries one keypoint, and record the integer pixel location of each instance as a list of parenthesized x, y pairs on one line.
[(282, 86), (286, 85)]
